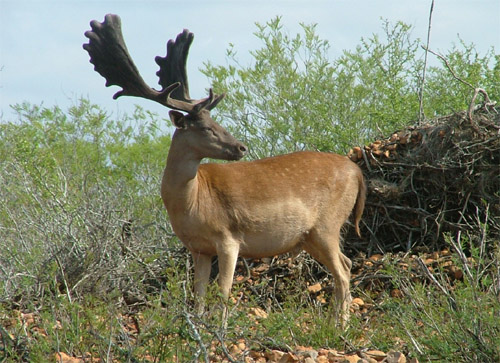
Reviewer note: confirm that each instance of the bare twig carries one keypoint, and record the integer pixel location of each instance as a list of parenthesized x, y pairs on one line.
[(421, 96), (63, 276), (458, 249), (7, 341), (413, 341), (110, 345), (365, 158), (196, 336), (194, 331), (477, 90), (487, 102), (431, 277), (220, 338), (449, 67), (247, 270)]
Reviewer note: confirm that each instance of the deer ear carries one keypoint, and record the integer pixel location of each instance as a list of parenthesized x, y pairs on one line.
[(177, 119)]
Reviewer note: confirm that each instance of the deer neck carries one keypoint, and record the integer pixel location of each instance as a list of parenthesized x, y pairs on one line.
[(179, 187)]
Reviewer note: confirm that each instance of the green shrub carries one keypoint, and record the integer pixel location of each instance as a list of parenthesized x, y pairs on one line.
[(447, 321), (293, 96)]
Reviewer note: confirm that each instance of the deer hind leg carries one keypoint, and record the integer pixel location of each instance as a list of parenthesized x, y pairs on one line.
[(325, 247), (346, 265), (202, 267), (346, 262)]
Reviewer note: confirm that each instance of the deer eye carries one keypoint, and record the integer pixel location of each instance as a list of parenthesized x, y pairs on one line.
[(208, 130)]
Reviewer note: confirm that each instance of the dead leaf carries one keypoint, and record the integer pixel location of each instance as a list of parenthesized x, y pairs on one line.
[(258, 313), (376, 354), (62, 357), (358, 301), (352, 358), (289, 358), (314, 288)]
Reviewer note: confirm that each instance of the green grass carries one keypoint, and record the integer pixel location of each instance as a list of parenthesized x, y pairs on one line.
[(422, 324)]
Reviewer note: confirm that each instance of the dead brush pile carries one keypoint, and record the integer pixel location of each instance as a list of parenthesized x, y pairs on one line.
[(424, 181)]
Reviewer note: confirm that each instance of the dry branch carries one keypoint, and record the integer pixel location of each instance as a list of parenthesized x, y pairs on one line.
[(428, 180), (487, 105)]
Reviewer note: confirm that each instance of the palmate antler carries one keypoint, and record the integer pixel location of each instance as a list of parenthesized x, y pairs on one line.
[(111, 59)]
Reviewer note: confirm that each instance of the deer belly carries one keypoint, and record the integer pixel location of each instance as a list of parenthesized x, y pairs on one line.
[(277, 236), (281, 228), (258, 245)]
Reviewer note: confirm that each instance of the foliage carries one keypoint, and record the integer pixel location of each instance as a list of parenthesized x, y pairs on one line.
[(70, 183), (434, 316), (294, 96), (480, 71), (443, 321)]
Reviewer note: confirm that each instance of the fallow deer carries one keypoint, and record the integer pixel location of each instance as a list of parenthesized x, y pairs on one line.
[(255, 209)]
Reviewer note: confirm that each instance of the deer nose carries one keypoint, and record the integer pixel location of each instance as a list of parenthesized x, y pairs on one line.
[(243, 149)]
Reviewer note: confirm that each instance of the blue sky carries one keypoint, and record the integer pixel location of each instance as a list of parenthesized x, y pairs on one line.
[(42, 60)]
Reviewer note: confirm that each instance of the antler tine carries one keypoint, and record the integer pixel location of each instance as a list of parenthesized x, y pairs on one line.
[(112, 60), (173, 69), (173, 65)]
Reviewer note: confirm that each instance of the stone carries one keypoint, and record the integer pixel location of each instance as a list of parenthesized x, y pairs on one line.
[(395, 357)]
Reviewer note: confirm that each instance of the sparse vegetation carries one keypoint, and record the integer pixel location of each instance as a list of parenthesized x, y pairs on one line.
[(90, 268)]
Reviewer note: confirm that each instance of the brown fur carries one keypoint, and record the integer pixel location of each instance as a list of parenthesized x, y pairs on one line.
[(259, 208)]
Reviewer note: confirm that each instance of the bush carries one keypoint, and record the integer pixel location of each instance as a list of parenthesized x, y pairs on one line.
[(443, 320), (294, 97), (424, 181), (71, 185)]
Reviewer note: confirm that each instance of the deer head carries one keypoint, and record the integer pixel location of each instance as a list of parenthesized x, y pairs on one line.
[(112, 60)]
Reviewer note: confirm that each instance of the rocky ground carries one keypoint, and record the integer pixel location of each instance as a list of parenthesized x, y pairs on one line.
[(368, 276)]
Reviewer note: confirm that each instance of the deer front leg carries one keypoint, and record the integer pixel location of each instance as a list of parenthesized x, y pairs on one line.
[(227, 265), (202, 267)]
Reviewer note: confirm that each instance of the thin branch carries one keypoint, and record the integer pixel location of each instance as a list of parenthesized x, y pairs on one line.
[(449, 67), (477, 90), (220, 338), (458, 249), (426, 271), (194, 331), (421, 96), (63, 276), (413, 341), (196, 336), (487, 102), (365, 158)]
